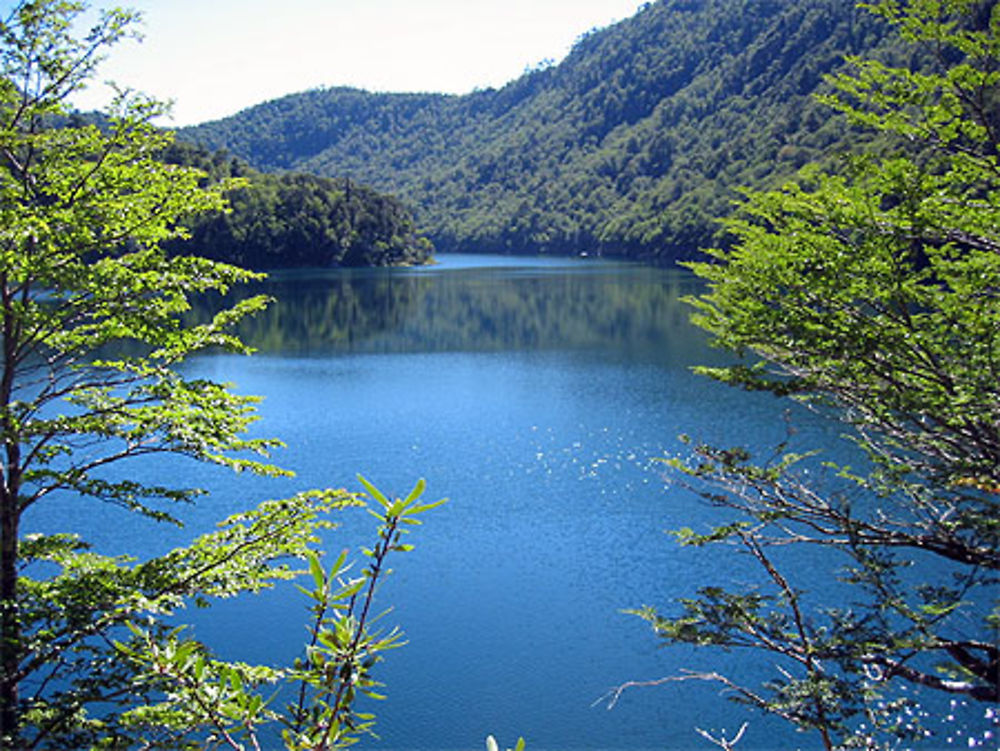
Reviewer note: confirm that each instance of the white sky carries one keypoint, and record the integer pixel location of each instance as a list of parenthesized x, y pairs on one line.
[(216, 57)]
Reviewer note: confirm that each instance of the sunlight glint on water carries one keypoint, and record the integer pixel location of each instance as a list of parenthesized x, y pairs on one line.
[(537, 395)]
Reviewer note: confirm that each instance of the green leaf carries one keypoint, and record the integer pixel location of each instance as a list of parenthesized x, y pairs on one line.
[(418, 490), (374, 492), (316, 569)]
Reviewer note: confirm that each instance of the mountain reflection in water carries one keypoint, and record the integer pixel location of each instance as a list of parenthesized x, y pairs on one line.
[(598, 306)]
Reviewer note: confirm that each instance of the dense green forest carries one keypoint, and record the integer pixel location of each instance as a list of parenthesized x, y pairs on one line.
[(295, 220), (634, 145)]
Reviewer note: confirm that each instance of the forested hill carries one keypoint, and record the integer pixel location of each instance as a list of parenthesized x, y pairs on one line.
[(297, 220), (633, 145)]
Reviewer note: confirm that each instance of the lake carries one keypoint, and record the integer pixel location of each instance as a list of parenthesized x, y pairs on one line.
[(537, 395)]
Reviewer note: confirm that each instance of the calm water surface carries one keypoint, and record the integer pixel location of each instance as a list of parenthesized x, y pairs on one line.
[(537, 395)]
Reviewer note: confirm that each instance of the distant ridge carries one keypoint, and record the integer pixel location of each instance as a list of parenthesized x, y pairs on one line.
[(634, 145)]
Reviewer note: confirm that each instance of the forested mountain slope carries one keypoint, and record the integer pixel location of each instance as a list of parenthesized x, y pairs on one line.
[(633, 145)]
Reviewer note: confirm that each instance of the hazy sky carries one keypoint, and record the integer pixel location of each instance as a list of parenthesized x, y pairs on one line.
[(215, 57)]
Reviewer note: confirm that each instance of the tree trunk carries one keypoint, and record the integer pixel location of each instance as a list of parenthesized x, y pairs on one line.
[(10, 625), (11, 646)]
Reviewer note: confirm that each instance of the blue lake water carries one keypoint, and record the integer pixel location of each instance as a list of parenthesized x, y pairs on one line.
[(537, 395)]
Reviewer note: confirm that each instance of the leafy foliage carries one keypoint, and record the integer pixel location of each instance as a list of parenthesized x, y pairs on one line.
[(492, 745), (633, 145), (233, 703), (871, 294), (93, 328)]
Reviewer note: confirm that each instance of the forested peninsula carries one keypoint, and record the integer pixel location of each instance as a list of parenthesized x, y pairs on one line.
[(296, 220), (635, 145)]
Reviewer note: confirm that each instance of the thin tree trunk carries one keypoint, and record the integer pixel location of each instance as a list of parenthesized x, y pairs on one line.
[(10, 621), (10, 625)]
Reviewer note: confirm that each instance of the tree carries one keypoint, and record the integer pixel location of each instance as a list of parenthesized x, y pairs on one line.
[(91, 320), (873, 296)]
